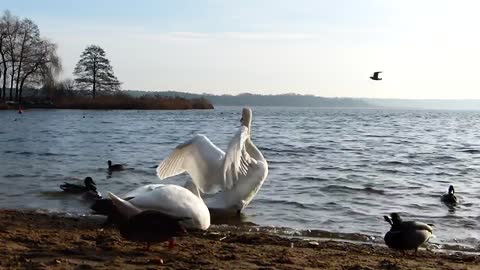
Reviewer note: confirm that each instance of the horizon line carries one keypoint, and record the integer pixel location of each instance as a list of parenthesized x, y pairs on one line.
[(299, 94)]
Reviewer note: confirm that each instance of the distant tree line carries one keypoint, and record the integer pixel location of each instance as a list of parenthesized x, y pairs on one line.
[(26, 59), (29, 61), (284, 100)]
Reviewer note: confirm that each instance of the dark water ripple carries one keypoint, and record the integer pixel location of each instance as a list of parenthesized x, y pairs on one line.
[(332, 172)]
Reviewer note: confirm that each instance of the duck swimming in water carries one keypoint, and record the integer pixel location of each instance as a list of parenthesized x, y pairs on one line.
[(406, 235), (450, 198), (114, 167), (89, 188)]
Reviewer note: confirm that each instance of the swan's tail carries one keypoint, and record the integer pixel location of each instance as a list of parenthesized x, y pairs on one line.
[(124, 208)]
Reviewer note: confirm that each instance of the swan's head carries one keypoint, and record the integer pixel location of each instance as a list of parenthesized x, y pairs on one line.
[(451, 190), (246, 119)]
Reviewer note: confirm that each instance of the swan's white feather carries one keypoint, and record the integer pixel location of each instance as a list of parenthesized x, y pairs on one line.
[(199, 157), (169, 199), (237, 160), (226, 181), (126, 208)]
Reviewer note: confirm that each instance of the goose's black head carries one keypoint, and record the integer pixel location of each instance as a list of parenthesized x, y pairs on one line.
[(451, 190), (89, 184), (396, 219), (109, 163)]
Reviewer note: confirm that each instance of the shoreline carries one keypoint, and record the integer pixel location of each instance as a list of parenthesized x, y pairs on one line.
[(44, 241), (119, 101)]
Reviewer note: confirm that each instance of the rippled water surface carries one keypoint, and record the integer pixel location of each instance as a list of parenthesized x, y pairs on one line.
[(330, 170)]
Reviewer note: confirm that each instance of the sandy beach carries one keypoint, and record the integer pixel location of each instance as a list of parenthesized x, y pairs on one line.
[(30, 240)]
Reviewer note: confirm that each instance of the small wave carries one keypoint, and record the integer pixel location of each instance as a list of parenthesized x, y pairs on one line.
[(338, 188), (471, 151), (389, 171), (328, 168), (312, 178), (272, 162), (268, 149), (446, 158), (285, 202), (395, 163), (376, 136), (14, 175), (25, 153), (48, 154), (318, 148), (445, 174), (16, 140)]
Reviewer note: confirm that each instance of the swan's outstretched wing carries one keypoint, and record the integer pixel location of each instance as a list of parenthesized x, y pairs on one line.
[(200, 158), (237, 160)]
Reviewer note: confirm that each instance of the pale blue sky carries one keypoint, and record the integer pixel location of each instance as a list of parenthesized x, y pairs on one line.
[(427, 48)]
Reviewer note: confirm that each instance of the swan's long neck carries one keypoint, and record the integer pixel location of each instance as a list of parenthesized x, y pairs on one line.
[(247, 118), (253, 151)]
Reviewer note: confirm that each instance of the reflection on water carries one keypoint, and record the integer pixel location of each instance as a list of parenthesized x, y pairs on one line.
[(229, 218), (333, 171)]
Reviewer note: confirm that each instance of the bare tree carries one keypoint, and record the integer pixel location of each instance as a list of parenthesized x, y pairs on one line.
[(41, 66), (3, 62), (8, 28), (12, 27), (28, 46), (94, 71), (26, 58), (3, 37)]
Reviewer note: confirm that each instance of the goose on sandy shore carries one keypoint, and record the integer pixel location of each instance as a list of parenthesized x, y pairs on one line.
[(406, 235), (148, 226)]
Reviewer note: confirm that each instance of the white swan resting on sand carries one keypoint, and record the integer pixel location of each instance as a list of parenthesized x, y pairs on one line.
[(169, 199), (226, 181)]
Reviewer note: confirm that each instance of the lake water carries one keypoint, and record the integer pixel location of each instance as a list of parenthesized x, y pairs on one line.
[(331, 170)]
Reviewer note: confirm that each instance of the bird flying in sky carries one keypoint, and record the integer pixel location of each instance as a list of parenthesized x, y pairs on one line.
[(375, 76)]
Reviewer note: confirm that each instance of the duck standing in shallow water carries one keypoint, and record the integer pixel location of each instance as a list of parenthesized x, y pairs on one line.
[(114, 167), (406, 235), (450, 198), (89, 188)]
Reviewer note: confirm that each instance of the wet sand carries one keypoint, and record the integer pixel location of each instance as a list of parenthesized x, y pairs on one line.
[(39, 241)]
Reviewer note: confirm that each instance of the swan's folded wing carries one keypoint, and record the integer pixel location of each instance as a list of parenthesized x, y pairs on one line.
[(198, 157), (237, 160)]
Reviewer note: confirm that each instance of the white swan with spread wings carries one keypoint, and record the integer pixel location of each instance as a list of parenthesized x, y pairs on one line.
[(225, 180)]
